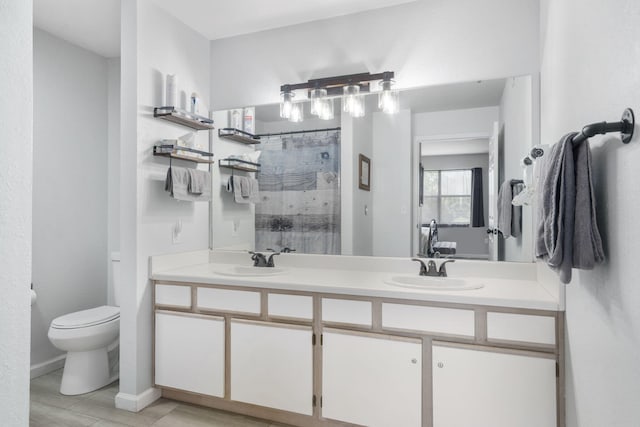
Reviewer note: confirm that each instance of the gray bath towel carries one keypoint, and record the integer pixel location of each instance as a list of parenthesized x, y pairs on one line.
[(505, 197), (554, 241), (587, 244), (177, 185)]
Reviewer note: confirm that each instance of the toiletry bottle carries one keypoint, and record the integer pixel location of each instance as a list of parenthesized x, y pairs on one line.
[(195, 103), (171, 94)]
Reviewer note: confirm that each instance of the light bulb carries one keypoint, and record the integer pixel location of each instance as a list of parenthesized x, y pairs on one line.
[(388, 100), (350, 99), (286, 104), (326, 112), (297, 114), (318, 97)]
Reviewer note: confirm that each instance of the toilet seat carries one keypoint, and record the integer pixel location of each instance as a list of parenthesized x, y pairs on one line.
[(86, 318)]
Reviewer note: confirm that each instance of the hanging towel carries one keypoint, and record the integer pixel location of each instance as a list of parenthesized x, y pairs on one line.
[(199, 182), (505, 197), (555, 233), (245, 190), (177, 182), (587, 244)]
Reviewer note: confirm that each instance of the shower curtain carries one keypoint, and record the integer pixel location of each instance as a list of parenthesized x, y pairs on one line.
[(299, 183)]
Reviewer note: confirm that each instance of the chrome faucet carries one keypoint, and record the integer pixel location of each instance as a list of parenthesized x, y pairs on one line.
[(430, 268), (260, 260)]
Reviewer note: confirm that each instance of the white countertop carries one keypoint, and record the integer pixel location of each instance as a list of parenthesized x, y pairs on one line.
[(502, 292)]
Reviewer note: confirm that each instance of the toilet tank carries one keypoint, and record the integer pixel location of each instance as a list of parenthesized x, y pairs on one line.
[(115, 275)]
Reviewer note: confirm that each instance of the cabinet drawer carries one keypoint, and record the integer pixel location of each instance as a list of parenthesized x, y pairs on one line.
[(521, 327), (429, 319), (293, 306), (346, 311), (173, 295), (229, 300)]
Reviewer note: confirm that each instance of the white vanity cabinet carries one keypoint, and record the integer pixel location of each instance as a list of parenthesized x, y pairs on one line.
[(272, 365), (189, 352), (319, 359), (489, 387), (371, 380)]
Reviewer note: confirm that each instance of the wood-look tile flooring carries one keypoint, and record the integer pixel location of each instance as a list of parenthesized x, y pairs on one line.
[(49, 408)]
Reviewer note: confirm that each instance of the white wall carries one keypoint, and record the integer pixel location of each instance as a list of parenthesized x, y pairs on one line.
[(516, 122), (585, 79), (425, 42), (113, 163), (357, 204), (469, 240), (69, 185), (391, 184), (153, 45), (465, 121), (16, 138)]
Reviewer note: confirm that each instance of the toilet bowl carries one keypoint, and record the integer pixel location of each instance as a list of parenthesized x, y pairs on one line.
[(86, 336)]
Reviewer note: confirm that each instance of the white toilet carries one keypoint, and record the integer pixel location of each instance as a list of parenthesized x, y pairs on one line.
[(85, 336)]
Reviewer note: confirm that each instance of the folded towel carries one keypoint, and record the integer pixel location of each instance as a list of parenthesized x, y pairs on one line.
[(199, 182), (504, 209), (587, 244), (555, 233), (177, 183), (245, 190)]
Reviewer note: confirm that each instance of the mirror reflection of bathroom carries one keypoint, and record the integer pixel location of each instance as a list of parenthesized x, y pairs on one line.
[(428, 168)]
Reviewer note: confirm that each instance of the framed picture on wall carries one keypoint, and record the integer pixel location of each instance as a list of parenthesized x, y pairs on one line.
[(364, 172)]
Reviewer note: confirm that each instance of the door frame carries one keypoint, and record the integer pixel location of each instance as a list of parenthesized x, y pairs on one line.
[(416, 150)]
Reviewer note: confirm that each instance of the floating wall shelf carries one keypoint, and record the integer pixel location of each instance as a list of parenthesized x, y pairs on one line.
[(239, 165), (183, 117), (182, 153), (238, 136)]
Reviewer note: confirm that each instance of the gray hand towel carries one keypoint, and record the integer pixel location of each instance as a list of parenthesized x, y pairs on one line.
[(587, 245), (199, 182), (504, 209), (554, 242), (177, 182), (245, 190)]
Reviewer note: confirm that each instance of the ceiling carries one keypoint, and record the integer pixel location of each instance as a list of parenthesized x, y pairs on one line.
[(95, 24), (91, 24)]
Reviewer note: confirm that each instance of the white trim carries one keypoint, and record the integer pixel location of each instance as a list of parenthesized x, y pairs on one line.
[(136, 403), (452, 137), (48, 366)]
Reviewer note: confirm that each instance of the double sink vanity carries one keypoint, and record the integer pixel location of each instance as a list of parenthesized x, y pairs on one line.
[(337, 340)]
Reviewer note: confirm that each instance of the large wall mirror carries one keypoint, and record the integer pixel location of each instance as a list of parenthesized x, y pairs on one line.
[(433, 173)]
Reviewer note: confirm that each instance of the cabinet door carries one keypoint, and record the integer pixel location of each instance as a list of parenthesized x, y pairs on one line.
[(371, 380), (272, 365), (189, 352), (474, 387)]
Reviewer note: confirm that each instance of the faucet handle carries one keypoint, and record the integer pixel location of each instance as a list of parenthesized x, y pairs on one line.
[(270, 262), (443, 269), (423, 267)]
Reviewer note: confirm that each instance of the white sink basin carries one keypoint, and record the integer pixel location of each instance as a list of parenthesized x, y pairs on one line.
[(249, 271), (434, 283)]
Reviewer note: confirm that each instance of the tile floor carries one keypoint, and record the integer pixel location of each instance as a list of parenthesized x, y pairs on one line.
[(51, 409)]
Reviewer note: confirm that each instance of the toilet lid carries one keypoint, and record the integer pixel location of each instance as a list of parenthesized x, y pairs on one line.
[(85, 318)]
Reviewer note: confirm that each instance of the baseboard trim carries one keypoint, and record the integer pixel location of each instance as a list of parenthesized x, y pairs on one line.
[(49, 366), (136, 403)]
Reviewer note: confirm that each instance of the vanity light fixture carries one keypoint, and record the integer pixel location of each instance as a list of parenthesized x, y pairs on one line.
[(351, 88)]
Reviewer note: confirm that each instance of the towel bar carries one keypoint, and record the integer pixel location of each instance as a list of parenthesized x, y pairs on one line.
[(625, 127)]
